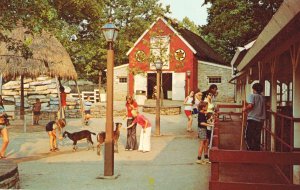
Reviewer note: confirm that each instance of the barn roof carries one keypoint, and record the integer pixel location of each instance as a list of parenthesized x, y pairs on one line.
[(204, 51)]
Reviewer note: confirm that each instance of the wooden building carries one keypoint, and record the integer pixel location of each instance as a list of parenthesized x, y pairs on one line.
[(189, 63), (273, 60)]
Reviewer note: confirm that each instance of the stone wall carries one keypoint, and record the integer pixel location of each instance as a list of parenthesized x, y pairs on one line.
[(166, 110), (99, 110), (120, 89), (44, 88), (9, 175), (225, 89)]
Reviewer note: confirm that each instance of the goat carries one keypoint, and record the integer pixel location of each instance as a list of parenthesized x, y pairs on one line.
[(116, 136), (78, 136)]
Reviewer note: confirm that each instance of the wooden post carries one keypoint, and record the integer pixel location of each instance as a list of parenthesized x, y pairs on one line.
[(158, 98), (1, 81), (22, 98), (59, 99), (295, 58), (81, 102), (248, 90), (261, 79), (273, 99)]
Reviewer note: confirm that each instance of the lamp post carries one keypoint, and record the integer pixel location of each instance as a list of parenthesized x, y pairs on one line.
[(158, 66), (188, 74), (110, 32)]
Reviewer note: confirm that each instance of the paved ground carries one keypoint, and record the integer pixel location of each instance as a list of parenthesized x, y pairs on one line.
[(170, 164)]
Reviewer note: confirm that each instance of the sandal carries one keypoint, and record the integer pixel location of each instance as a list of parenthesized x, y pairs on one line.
[(2, 157)]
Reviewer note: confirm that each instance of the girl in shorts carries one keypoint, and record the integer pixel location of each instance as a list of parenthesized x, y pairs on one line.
[(188, 106), (51, 130)]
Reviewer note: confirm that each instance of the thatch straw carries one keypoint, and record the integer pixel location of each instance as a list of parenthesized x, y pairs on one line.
[(49, 57)]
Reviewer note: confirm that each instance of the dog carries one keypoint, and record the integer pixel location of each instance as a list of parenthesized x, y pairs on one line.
[(116, 136), (78, 136)]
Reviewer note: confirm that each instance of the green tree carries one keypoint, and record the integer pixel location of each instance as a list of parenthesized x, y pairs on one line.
[(190, 25), (236, 23), (64, 19)]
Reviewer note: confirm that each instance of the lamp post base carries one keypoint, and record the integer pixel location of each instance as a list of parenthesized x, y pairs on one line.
[(108, 177)]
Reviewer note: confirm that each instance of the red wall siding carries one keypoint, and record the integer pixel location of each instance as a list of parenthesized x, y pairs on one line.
[(189, 63)]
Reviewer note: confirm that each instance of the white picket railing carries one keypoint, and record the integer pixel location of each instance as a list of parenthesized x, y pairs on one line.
[(94, 95)]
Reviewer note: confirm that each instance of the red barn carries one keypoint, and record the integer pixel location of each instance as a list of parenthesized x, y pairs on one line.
[(179, 49)]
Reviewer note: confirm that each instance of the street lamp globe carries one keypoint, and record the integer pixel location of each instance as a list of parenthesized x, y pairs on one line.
[(110, 32), (158, 65)]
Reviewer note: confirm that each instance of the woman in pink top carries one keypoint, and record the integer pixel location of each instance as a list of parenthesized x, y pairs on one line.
[(145, 135)]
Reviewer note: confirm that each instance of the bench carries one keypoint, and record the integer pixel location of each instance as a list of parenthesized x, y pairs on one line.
[(225, 111)]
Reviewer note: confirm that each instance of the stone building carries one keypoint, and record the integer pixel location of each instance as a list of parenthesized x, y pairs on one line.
[(120, 82), (211, 73)]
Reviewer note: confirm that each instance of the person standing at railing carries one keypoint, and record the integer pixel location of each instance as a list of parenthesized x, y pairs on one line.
[(256, 116), (209, 96)]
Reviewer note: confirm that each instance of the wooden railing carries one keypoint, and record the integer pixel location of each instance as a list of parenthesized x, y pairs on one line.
[(94, 95), (218, 156), (225, 111), (282, 160)]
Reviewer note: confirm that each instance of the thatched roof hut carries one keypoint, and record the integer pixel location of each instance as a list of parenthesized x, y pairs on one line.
[(49, 57)]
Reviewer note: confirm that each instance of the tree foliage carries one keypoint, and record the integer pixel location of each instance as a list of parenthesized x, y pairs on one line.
[(237, 22), (190, 25), (77, 24)]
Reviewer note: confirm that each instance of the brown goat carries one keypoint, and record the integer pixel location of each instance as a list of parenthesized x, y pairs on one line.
[(116, 136)]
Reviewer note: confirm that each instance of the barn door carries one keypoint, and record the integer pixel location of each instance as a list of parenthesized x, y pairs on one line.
[(140, 83), (178, 85), (140, 88)]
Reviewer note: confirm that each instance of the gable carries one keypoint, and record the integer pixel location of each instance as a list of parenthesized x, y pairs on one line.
[(170, 27)]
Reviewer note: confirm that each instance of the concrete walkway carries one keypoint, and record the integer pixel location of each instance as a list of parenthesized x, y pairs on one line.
[(170, 164)]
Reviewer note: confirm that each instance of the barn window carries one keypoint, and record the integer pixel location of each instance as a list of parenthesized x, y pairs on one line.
[(160, 51), (122, 79), (214, 80)]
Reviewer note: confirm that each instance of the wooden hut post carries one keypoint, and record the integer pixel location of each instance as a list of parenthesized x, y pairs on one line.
[(22, 98), (80, 100), (295, 58), (1, 84), (273, 100), (59, 99)]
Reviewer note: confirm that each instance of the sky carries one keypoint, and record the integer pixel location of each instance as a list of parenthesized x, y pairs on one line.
[(187, 8)]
